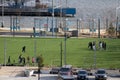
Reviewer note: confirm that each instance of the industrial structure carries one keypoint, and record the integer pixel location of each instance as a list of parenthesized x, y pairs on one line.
[(17, 7)]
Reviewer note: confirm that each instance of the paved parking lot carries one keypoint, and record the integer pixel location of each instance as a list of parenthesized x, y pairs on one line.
[(46, 77), (11, 73), (43, 77)]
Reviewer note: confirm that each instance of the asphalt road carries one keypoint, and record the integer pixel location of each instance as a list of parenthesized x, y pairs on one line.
[(112, 75), (46, 77)]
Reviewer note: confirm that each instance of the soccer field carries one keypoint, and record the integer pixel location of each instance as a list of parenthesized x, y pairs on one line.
[(77, 52)]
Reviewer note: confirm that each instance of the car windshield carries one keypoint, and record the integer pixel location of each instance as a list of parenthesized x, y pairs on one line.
[(100, 72), (55, 68), (64, 69), (82, 72)]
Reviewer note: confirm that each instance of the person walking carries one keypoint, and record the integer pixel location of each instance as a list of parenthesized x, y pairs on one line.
[(20, 58), (100, 45), (90, 45), (104, 45), (9, 61), (24, 49)]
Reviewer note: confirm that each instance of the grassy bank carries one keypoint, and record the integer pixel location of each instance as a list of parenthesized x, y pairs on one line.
[(77, 51)]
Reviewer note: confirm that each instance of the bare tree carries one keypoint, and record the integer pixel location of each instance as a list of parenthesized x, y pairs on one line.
[(111, 30)]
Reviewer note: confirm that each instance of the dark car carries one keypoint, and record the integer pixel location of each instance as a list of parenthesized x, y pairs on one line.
[(54, 70), (82, 75), (100, 74)]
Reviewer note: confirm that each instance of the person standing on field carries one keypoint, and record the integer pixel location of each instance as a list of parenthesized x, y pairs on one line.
[(24, 49)]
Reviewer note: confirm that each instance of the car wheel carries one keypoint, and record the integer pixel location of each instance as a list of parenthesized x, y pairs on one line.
[(78, 79), (96, 79), (60, 79)]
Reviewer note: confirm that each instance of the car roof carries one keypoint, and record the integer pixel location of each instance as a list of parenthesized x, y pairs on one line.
[(82, 70), (67, 66), (101, 70)]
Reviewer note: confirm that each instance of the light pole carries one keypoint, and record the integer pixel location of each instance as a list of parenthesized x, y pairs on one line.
[(93, 26), (35, 43), (80, 21), (61, 54), (65, 38), (99, 28), (4, 52), (117, 8), (52, 17), (66, 3), (78, 26), (94, 48)]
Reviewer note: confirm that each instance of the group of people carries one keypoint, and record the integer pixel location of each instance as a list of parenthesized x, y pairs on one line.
[(92, 45), (102, 45), (22, 59)]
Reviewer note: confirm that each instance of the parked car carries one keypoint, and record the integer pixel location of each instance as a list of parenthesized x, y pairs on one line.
[(82, 75), (66, 73), (54, 70), (64, 77), (100, 74), (75, 71)]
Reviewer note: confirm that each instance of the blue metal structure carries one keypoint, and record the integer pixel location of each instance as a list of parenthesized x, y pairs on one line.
[(18, 8), (63, 11)]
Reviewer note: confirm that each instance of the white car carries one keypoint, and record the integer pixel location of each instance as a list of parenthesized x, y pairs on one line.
[(65, 77), (65, 73)]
